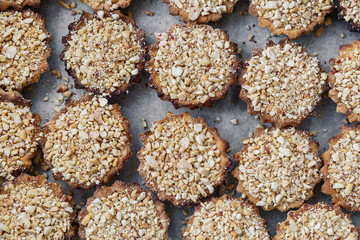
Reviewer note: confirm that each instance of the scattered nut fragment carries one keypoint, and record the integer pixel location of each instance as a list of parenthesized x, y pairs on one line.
[(64, 5), (123, 210), (68, 94), (149, 13), (62, 88), (282, 83), (33, 208), (342, 35), (278, 168), (87, 142), (319, 221), (319, 31), (234, 121), (183, 159), (328, 21), (226, 218), (110, 73)]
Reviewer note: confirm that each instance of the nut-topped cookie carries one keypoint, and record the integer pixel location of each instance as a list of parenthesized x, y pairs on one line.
[(19, 134), (24, 45), (125, 211), (18, 4), (192, 65), (319, 221), (183, 159), (349, 10), (200, 11), (292, 18), (109, 5), (278, 168), (226, 218), (344, 80), (87, 142), (341, 169), (282, 84), (32, 208), (104, 52)]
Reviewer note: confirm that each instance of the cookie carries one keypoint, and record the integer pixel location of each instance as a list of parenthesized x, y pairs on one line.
[(319, 221), (341, 169), (192, 65), (125, 211), (292, 18), (19, 134), (278, 168), (344, 81), (104, 52), (349, 11), (183, 159), (200, 11), (109, 5), (18, 4), (226, 218), (32, 208), (282, 84), (87, 142), (24, 45)]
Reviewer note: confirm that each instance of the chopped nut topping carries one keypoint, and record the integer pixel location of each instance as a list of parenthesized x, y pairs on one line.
[(344, 80), (105, 52), (282, 83), (183, 159), (226, 218), (33, 209), (278, 168), (87, 142), (18, 137), (320, 221), (350, 10), (193, 64), (109, 5), (291, 15), (341, 169), (24, 45), (125, 211)]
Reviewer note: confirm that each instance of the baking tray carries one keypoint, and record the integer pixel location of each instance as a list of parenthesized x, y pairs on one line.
[(143, 102)]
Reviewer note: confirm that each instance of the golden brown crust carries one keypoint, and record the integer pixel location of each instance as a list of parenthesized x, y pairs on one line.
[(119, 186), (326, 188), (43, 66), (94, 4), (213, 17), (5, 4), (265, 117), (17, 99), (50, 126), (292, 34), (346, 50), (38, 181), (314, 146), (281, 227), (221, 144), (122, 89), (154, 81)]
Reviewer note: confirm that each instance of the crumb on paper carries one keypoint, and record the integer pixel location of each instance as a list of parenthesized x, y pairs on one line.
[(234, 121), (218, 119), (56, 72), (248, 27), (62, 88), (64, 5), (185, 212), (68, 94), (313, 133), (144, 124), (149, 13), (325, 130), (73, 5), (342, 35), (251, 37), (250, 134), (239, 50), (45, 99), (260, 126), (328, 21), (319, 31)]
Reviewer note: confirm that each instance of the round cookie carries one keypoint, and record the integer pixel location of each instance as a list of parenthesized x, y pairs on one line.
[(104, 52), (183, 159), (24, 48), (278, 168), (125, 211), (349, 11), (226, 218), (192, 65), (19, 134), (344, 81), (319, 221), (109, 5), (32, 208), (18, 4), (292, 18), (341, 169), (282, 84), (200, 11), (87, 142)]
